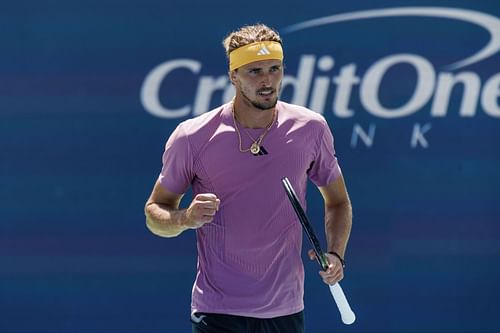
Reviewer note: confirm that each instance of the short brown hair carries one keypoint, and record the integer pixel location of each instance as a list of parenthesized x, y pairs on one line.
[(249, 34)]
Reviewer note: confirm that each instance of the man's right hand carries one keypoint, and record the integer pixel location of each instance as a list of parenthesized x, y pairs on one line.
[(201, 210)]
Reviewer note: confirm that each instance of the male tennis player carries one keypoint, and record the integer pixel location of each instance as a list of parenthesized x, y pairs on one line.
[(250, 274)]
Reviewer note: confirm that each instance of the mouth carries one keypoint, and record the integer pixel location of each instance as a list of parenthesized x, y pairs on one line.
[(265, 92)]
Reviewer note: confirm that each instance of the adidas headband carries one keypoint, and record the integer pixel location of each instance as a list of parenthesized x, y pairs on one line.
[(257, 51)]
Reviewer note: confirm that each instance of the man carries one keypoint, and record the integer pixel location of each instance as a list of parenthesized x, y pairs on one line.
[(250, 274)]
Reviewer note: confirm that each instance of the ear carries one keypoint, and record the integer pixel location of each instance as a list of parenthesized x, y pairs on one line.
[(232, 77)]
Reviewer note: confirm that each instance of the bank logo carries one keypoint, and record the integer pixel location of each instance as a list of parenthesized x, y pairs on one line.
[(263, 51), (347, 89)]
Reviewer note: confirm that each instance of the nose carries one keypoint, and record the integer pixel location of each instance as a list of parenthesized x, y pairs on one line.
[(265, 80)]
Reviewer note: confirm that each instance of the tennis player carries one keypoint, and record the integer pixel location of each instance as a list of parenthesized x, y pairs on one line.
[(250, 276)]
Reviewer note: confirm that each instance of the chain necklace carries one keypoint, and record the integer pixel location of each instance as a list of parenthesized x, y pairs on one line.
[(255, 147)]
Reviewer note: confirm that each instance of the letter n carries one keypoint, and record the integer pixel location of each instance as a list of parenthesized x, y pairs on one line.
[(359, 132)]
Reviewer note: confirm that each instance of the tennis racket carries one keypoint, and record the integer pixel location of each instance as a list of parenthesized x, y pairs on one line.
[(346, 313)]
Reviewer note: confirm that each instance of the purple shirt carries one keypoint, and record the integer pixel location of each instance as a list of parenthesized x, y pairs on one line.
[(249, 256)]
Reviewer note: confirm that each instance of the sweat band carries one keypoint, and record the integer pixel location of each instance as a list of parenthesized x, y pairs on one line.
[(255, 52)]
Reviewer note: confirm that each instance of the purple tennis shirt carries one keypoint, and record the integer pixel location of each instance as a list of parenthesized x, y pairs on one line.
[(249, 256)]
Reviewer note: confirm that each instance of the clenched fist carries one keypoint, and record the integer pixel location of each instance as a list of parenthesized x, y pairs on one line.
[(202, 210)]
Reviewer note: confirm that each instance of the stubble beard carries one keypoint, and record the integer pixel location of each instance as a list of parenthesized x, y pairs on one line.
[(265, 105)]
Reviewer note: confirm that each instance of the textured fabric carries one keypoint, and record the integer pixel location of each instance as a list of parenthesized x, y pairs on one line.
[(249, 256)]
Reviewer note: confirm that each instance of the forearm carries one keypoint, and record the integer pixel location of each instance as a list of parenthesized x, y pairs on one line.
[(165, 221), (338, 222)]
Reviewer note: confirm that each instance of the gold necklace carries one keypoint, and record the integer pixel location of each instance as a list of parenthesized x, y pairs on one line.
[(255, 147)]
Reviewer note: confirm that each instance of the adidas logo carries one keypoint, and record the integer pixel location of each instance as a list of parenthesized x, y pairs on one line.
[(261, 152), (263, 51)]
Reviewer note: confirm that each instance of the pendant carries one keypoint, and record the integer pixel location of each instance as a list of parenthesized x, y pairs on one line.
[(255, 148)]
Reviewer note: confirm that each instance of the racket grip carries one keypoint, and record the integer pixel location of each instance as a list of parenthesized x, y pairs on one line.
[(348, 317)]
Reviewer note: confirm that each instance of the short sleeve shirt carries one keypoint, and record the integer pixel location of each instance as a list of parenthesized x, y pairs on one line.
[(249, 256)]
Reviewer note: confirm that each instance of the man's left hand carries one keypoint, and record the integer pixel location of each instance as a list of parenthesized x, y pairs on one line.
[(335, 271)]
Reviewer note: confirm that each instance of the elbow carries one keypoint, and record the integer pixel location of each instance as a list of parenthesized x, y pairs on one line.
[(347, 206), (156, 226), (341, 210), (157, 231), (344, 204)]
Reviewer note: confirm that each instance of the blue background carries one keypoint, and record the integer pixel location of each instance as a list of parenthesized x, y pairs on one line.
[(79, 154)]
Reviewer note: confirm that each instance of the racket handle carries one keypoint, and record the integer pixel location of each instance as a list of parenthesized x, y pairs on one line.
[(348, 317)]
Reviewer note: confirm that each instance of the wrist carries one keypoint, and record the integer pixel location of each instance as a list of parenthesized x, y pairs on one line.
[(342, 261), (182, 219)]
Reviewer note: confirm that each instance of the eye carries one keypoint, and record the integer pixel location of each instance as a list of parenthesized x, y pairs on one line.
[(274, 69), (254, 71)]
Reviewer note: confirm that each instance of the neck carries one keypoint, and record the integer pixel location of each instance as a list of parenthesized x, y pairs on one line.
[(251, 117)]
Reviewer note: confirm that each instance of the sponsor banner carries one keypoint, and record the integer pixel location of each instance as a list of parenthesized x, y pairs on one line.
[(395, 85)]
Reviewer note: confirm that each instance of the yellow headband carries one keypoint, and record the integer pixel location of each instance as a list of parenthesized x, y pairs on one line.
[(255, 52)]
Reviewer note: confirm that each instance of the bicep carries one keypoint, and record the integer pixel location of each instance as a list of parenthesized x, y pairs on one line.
[(162, 196), (335, 193)]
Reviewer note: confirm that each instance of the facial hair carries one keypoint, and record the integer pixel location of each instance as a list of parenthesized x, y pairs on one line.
[(262, 106)]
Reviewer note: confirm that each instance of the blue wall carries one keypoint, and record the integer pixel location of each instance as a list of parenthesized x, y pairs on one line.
[(81, 142)]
